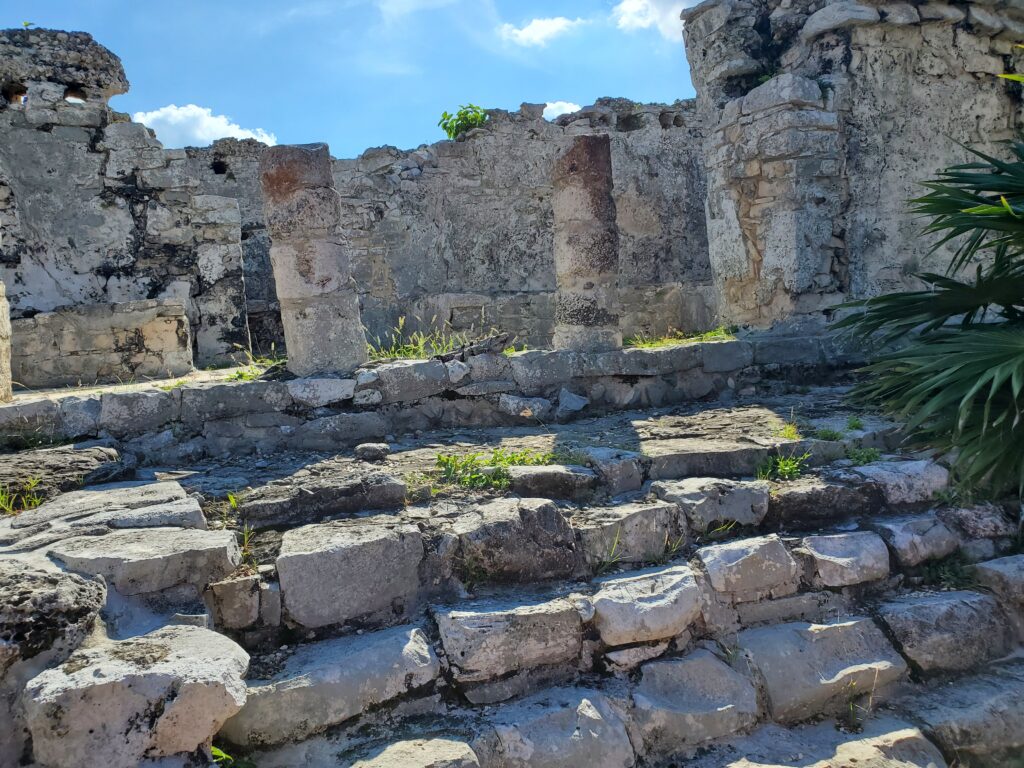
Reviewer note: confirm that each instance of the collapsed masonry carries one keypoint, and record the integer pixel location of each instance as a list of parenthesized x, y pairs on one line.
[(776, 194)]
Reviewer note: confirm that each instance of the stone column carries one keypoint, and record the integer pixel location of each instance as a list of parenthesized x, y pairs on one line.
[(319, 304), (586, 248), (5, 347)]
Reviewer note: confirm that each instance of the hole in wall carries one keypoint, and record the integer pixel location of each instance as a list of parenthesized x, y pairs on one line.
[(219, 167), (74, 94), (14, 93)]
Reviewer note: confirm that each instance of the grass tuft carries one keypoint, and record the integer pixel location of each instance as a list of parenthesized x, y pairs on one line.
[(783, 467), (672, 338), (482, 471)]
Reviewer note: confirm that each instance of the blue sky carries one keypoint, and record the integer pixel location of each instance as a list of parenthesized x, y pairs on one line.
[(362, 73)]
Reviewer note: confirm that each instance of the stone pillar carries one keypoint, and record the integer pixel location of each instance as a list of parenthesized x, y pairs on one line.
[(586, 248), (319, 304), (5, 347)]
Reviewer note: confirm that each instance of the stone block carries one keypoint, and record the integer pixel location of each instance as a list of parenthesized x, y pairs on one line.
[(1005, 579), (726, 356), (787, 90), (234, 603), (492, 639), (628, 533), (331, 573), (708, 502), (411, 380), (981, 521), (837, 16), (331, 681), (620, 471), (317, 393), (814, 669), (946, 631), (844, 559), (125, 414), (906, 482), (750, 569), (680, 703), (914, 539), (554, 482), (420, 753), (645, 606), (533, 409)]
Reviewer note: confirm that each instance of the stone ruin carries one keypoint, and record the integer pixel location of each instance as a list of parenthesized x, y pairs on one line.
[(285, 567)]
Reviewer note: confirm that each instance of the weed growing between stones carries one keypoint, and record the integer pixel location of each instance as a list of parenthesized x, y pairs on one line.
[(249, 560), (15, 501), (402, 344), (646, 341), (224, 760), (953, 572), (257, 365), (854, 423), (480, 471), (171, 387), (612, 557), (863, 455), (789, 431), (783, 467), (832, 435)]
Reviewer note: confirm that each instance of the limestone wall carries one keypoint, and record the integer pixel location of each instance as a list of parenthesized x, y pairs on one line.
[(823, 119), (94, 210), (101, 343)]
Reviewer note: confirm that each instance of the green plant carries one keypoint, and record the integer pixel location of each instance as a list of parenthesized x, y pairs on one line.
[(789, 431), (16, 500), (854, 423), (863, 455), (952, 572), (828, 434), (644, 340), (957, 378), (783, 467), (469, 116), (249, 559), (481, 471), (612, 557), (175, 385), (223, 759), (401, 343), (257, 364), (28, 24)]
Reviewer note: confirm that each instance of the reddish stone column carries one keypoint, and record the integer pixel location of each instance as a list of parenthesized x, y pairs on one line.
[(586, 248), (323, 329)]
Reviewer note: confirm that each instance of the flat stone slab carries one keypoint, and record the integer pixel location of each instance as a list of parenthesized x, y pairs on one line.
[(821, 499), (113, 497), (750, 569), (883, 742), (517, 540), (561, 728), (1004, 577), (946, 631), (64, 469), (159, 695), (648, 605), (487, 640), (143, 560), (330, 681), (978, 716), (707, 502), (683, 702), (844, 559), (554, 482), (628, 533), (813, 669), (335, 572), (420, 753), (914, 539)]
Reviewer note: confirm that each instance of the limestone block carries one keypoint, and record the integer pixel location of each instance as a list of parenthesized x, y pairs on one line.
[(749, 569), (331, 573), (316, 393), (814, 499), (648, 605), (620, 471), (203, 404), (330, 681), (537, 372), (946, 631), (406, 380), (844, 559), (900, 13), (941, 12), (158, 695), (146, 560), (627, 659), (134, 413), (680, 703), (1005, 579), (984, 20), (517, 540), (708, 502), (980, 718), (421, 753), (981, 521), (330, 432), (783, 90), (531, 408), (490, 639), (726, 356), (234, 603), (374, 452), (837, 16), (628, 533), (554, 482), (906, 482), (916, 538), (569, 404), (812, 669), (561, 728)]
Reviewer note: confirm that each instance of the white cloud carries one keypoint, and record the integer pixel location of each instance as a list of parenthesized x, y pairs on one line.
[(644, 14), (556, 108), (538, 32), (195, 126)]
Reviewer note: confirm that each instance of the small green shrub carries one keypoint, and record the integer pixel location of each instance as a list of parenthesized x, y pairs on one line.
[(863, 455), (854, 423), (468, 117), (831, 435), (402, 344), (789, 431), (783, 467), (672, 338), (477, 470)]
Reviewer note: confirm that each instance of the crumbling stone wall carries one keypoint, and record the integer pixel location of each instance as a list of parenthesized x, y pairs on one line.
[(94, 210), (823, 119)]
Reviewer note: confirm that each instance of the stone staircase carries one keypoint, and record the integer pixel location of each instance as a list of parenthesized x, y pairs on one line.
[(652, 604)]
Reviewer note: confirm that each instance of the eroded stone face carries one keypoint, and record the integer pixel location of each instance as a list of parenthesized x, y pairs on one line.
[(646, 605)]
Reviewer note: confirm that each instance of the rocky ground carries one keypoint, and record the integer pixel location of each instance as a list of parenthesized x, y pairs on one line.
[(651, 593)]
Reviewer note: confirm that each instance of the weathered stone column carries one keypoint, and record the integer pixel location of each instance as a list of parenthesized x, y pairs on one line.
[(5, 347), (319, 304), (586, 248)]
